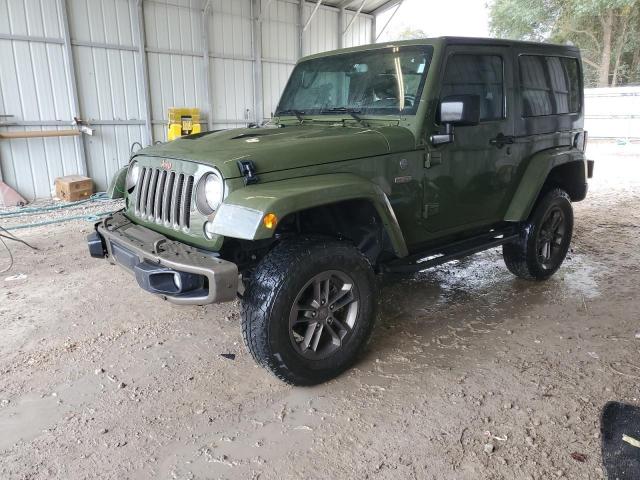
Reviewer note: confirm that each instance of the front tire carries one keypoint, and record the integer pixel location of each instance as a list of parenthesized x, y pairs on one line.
[(545, 238), (308, 309)]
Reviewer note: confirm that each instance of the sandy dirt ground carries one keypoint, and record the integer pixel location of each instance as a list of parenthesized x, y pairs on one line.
[(471, 373)]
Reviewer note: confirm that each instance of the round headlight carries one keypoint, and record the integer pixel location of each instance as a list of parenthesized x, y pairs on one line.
[(210, 192), (132, 175)]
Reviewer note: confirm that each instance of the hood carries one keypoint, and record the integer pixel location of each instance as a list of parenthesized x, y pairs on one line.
[(291, 146)]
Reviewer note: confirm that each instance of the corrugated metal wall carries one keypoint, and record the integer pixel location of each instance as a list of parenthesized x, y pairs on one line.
[(107, 67), (98, 59), (36, 89), (280, 49), (231, 63)]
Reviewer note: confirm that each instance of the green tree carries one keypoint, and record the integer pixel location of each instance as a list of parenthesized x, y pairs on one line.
[(411, 34), (607, 32)]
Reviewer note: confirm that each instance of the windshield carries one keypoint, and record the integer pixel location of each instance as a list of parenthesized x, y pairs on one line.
[(383, 82)]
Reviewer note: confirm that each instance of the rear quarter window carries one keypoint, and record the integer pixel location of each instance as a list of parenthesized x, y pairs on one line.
[(549, 85)]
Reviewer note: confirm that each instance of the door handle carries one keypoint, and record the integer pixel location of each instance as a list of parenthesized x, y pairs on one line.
[(502, 140)]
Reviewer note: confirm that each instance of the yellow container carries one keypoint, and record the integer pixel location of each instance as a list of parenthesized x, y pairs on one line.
[(183, 121)]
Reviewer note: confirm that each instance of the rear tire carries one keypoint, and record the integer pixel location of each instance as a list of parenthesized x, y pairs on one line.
[(308, 309), (544, 240)]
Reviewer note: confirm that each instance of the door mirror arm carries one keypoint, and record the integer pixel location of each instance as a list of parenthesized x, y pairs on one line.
[(462, 110), (443, 138)]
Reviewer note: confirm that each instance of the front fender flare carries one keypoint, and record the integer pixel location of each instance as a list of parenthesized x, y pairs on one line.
[(533, 179), (117, 184), (241, 214)]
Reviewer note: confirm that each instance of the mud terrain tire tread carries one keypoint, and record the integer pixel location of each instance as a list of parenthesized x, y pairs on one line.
[(271, 290)]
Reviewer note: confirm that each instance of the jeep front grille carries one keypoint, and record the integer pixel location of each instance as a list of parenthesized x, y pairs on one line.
[(164, 197)]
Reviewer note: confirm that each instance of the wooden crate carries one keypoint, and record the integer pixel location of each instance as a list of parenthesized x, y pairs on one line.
[(73, 188)]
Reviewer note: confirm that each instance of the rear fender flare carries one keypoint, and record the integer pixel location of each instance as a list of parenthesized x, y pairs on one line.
[(534, 177)]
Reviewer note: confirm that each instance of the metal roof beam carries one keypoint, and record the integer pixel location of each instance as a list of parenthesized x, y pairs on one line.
[(353, 19), (385, 6), (398, 5), (313, 13)]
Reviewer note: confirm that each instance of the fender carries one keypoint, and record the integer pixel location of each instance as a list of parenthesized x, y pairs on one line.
[(117, 184), (534, 177), (241, 214)]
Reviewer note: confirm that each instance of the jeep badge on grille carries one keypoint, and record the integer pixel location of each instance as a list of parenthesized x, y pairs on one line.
[(166, 165)]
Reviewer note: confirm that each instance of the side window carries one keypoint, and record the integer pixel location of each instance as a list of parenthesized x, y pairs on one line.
[(480, 75), (549, 85), (572, 71)]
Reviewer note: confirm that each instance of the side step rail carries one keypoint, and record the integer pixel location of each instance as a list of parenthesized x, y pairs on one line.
[(453, 251)]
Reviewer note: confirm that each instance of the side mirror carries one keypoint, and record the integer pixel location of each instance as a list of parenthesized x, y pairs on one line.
[(456, 110)]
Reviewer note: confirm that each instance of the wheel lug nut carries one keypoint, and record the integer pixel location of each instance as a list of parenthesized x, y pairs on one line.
[(330, 307)]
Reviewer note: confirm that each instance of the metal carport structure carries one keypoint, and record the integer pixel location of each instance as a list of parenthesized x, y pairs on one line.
[(120, 64)]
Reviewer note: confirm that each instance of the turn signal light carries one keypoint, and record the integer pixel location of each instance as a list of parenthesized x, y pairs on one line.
[(270, 220)]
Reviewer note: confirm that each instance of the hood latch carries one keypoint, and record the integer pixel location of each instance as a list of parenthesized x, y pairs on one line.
[(248, 171)]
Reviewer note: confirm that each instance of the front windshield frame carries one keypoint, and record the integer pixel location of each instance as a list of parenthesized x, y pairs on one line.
[(285, 107)]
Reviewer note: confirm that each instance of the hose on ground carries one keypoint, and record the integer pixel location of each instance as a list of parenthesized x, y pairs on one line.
[(96, 197)]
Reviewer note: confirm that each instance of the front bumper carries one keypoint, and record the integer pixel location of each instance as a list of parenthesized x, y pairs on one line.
[(176, 272)]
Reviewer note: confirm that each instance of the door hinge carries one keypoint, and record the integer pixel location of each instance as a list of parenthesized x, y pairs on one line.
[(430, 210), (248, 171), (432, 158)]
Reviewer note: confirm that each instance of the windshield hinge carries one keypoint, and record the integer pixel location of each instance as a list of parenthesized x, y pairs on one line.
[(248, 171)]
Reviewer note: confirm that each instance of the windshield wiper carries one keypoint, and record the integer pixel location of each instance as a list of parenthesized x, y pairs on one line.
[(298, 113), (351, 111)]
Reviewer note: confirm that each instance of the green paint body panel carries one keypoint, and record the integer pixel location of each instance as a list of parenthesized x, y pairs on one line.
[(424, 193), (293, 146), (536, 173), (117, 186), (288, 196)]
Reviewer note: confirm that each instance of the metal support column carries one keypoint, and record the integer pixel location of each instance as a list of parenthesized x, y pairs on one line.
[(300, 30), (71, 71), (374, 26), (206, 64), (144, 74), (257, 61), (341, 27)]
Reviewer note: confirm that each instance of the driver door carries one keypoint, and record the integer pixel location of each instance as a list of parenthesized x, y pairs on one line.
[(466, 181)]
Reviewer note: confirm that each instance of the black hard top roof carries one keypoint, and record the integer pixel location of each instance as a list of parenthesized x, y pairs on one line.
[(502, 42), (539, 46)]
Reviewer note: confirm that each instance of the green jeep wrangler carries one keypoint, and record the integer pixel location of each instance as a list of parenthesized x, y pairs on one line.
[(387, 158)]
